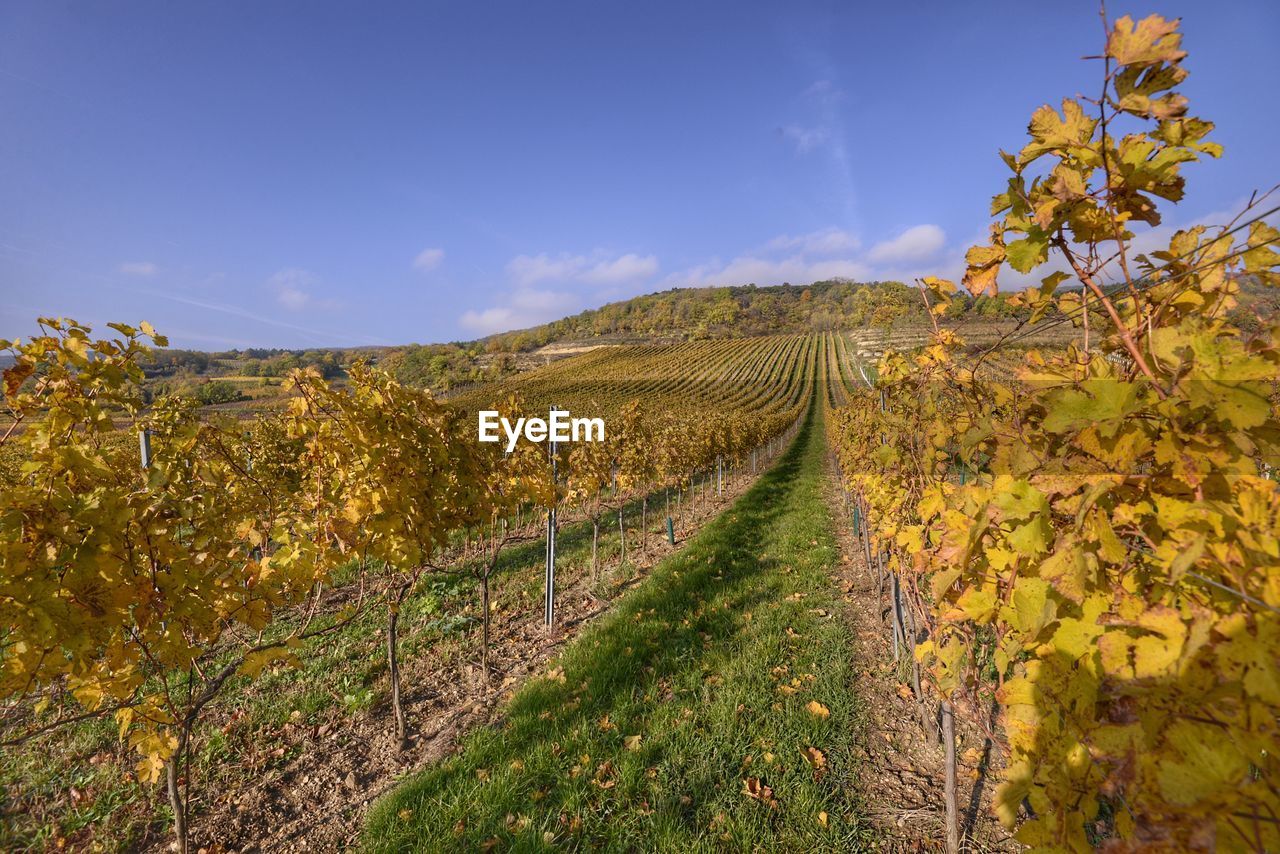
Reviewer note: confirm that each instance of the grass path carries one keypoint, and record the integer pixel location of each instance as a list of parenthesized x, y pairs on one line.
[(713, 709)]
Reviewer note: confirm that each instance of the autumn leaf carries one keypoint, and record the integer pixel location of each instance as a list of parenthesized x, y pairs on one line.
[(1153, 39), (817, 709), (816, 758), (753, 788)]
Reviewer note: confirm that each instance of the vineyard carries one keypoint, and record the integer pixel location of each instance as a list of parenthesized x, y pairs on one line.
[(959, 584), (298, 542)]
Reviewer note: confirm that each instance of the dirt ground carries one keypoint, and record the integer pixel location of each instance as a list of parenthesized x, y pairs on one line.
[(902, 773), (317, 800)]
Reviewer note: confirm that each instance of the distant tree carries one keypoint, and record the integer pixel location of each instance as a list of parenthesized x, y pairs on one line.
[(217, 391)]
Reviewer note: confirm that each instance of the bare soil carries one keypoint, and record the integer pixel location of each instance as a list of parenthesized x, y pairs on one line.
[(902, 772), (314, 797)]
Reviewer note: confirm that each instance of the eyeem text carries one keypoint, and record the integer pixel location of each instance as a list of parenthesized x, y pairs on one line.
[(560, 427)]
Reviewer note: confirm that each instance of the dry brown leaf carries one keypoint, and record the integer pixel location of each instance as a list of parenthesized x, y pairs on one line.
[(756, 790), (815, 757)]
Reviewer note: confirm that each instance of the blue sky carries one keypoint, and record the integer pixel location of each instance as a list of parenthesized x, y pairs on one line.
[(333, 174)]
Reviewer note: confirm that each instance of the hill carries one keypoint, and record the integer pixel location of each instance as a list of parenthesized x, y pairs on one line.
[(733, 312), (883, 312)]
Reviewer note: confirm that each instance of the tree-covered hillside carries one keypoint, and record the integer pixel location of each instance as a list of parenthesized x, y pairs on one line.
[(744, 311)]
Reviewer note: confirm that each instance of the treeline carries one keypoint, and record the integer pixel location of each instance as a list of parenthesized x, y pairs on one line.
[(439, 367), (442, 367), (692, 313), (248, 363)]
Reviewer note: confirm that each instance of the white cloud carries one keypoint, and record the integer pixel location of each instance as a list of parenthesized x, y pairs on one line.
[(527, 269), (624, 269), (139, 268), (817, 127), (746, 269), (527, 305), (828, 241), (829, 253), (912, 246), (489, 321), (595, 269), (293, 299), (805, 139), (824, 91), (524, 308), (291, 287), (428, 259)]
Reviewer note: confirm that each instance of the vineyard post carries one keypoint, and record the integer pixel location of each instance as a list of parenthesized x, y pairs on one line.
[(897, 615), (866, 548), (953, 812), (595, 547), (719, 476), (144, 447), (393, 663), (550, 614), (622, 535), (644, 523)]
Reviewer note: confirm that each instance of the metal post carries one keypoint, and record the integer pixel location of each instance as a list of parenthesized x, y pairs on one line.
[(144, 447), (720, 476), (550, 615), (671, 532)]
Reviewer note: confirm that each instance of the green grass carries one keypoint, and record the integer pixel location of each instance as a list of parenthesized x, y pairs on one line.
[(691, 661)]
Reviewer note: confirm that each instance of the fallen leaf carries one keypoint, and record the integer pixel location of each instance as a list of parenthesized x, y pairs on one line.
[(815, 757), (756, 790), (632, 742), (818, 710)]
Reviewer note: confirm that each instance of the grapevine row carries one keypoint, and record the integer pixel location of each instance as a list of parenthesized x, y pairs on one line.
[(143, 592), (1093, 544)]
